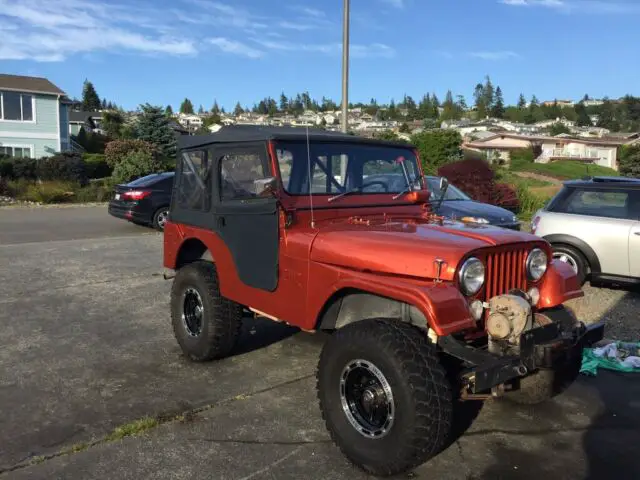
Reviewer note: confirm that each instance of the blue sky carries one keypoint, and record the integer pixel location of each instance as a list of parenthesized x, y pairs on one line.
[(161, 51)]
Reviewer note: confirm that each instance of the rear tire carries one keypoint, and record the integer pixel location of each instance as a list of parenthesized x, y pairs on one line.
[(205, 324), (160, 218), (414, 394), (574, 258)]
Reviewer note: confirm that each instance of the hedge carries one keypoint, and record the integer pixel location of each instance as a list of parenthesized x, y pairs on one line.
[(97, 166), (66, 166)]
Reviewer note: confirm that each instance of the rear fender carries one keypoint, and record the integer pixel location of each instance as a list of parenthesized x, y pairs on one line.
[(361, 296)]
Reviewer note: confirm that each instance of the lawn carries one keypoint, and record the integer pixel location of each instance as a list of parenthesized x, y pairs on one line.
[(564, 170)]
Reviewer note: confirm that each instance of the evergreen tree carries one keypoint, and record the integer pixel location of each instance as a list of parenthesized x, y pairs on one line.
[(90, 99), (435, 106), (480, 101), (112, 123), (168, 111), (186, 107), (449, 107), (215, 109), (461, 103), (153, 126), (497, 111), (488, 93), (534, 102), (522, 102), (200, 109), (238, 110), (104, 104), (607, 118), (284, 103)]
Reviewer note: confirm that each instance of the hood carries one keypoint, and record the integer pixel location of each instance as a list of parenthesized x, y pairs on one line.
[(406, 248), (468, 208)]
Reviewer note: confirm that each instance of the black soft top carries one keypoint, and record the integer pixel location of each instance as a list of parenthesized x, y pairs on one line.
[(255, 133)]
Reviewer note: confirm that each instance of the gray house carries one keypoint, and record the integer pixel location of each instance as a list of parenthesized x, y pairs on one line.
[(34, 118)]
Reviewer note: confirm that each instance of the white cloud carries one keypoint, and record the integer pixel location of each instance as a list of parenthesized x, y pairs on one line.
[(494, 55), (355, 50), (301, 27), (235, 47), (582, 6), (308, 11)]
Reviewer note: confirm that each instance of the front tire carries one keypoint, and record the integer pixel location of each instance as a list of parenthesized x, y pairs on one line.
[(205, 324), (574, 259), (384, 396)]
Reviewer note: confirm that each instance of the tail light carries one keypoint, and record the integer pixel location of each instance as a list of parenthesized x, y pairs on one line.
[(534, 224), (136, 195)]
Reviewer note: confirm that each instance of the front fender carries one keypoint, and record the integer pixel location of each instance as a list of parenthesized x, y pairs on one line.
[(442, 304), (560, 284)]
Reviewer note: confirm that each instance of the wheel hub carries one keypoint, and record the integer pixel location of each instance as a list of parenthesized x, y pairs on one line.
[(192, 312), (367, 399)]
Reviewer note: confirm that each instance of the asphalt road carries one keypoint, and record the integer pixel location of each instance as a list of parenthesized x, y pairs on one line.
[(86, 346)]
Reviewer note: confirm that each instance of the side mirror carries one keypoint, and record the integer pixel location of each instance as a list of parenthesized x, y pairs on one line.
[(266, 187), (444, 184)]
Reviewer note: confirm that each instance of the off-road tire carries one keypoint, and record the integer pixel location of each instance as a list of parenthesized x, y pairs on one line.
[(222, 318), (576, 256), (421, 395), (155, 222)]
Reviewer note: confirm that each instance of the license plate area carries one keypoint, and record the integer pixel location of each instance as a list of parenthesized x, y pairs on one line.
[(117, 197)]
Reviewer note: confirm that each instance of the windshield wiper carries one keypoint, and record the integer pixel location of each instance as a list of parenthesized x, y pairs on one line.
[(410, 186), (343, 194)]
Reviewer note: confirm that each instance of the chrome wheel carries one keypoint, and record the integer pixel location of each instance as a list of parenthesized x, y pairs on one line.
[(161, 218), (566, 258), (367, 399), (192, 312)]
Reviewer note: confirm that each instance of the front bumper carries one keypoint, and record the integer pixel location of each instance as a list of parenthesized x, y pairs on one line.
[(542, 347)]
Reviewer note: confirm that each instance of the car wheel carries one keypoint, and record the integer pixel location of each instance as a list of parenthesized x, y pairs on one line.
[(160, 218), (384, 396), (205, 324), (573, 258)]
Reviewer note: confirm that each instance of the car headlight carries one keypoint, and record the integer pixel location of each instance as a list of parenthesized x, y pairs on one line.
[(475, 220), (536, 264), (471, 276)]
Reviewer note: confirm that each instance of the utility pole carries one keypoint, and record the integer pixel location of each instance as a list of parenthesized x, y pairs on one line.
[(345, 68)]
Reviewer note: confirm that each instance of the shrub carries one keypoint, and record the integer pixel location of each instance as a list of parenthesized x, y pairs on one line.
[(529, 201), (136, 164), (94, 192), (437, 147), (630, 161), (66, 166), (117, 150), (97, 166), (48, 192), (505, 196), (473, 176), (6, 167), (25, 168)]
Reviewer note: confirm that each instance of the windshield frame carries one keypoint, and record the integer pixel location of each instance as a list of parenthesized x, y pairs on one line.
[(451, 188), (409, 153)]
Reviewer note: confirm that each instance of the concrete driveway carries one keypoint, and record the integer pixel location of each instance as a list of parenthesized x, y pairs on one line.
[(86, 346)]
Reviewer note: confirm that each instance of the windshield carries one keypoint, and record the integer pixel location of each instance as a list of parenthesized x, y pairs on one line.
[(346, 167), (453, 193)]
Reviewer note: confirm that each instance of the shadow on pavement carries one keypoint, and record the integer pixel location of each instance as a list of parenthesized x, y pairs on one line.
[(258, 333)]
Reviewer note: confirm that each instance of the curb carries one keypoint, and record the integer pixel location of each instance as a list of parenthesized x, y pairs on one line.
[(52, 205)]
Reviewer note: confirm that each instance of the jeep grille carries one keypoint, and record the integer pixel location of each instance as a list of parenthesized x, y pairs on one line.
[(505, 271)]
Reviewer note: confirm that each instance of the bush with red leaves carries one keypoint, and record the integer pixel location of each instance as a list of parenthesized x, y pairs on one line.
[(476, 178)]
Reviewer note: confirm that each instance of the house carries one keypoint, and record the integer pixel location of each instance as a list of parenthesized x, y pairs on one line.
[(499, 146), (190, 121), (34, 117), (603, 152), (560, 103), (549, 123), (91, 121)]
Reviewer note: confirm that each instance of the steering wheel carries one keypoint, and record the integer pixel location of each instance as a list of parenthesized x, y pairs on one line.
[(384, 184)]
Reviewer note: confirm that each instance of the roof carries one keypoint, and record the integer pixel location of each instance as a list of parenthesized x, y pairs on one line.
[(75, 116), (18, 83), (605, 182), (539, 138), (256, 133)]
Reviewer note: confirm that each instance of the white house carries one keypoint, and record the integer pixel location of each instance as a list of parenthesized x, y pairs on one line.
[(187, 120), (599, 152)]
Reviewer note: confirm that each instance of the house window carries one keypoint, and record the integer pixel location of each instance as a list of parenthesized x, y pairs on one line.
[(16, 106), (18, 152)]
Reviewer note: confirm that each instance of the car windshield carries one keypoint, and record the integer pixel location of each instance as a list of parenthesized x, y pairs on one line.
[(339, 168), (453, 193)]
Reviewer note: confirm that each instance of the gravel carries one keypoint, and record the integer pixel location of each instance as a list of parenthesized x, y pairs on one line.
[(618, 308)]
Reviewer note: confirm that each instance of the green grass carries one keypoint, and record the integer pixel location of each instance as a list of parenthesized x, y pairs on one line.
[(133, 428), (564, 170), (505, 176)]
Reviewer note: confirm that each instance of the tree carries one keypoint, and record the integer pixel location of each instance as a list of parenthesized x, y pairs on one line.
[(630, 161), (583, 119), (437, 147), (480, 101), (404, 128), (488, 93), (153, 127), (238, 110), (607, 118), (461, 104), (522, 102), (90, 98), (112, 123), (168, 111), (449, 111), (186, 107), (497, 111), (284, 103), (215, 109), (104, 104), (200, 110), (558, 128)]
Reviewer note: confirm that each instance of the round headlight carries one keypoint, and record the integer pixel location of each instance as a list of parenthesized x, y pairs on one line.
[(471, 276), (536, 264)]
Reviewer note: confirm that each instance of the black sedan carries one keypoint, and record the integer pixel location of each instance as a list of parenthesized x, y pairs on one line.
[(144, 201)]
